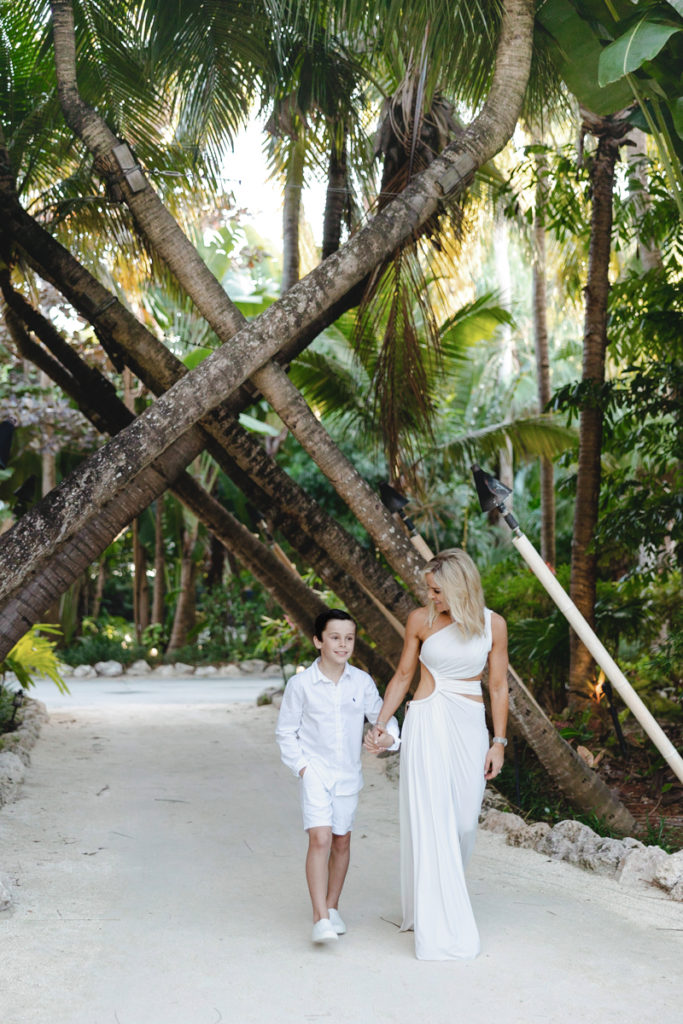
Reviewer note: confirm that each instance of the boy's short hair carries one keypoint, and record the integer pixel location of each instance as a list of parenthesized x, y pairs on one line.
[(326, 616)]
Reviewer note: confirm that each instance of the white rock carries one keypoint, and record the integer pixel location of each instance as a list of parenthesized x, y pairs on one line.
[(566, 840), (12, 772), (231, 669), (267, 696), (252, 666), (641, 865), (502, 822), (670, 874), (206, 670), (272, 670), (139, 668), (109, 668), (164, 671), (530, 836), (84, 672), (181, 669)]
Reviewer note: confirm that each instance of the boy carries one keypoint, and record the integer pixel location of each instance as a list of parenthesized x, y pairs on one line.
[(320, 732)]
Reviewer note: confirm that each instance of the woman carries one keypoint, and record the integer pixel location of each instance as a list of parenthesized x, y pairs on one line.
[(445, 751)]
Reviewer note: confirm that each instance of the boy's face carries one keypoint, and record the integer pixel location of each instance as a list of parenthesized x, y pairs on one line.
[(336, 646)]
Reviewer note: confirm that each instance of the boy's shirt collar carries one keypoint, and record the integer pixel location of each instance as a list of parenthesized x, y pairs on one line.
[(320, 677)]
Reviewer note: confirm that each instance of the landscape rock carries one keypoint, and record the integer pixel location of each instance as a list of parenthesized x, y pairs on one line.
[(139, 668), (642, 865), (231, 669), (669, 875), (181, 669), (252, 666), (84, 672), (165, 671), (272, 670), (502, 822), (267, 696), (109, 668), (529, 837), (203, 671), (12, 772)]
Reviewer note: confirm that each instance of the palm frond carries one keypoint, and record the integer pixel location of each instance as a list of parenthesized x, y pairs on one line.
[(531, 437)]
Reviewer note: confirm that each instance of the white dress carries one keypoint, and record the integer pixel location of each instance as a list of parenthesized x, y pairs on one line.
[(443, 750)]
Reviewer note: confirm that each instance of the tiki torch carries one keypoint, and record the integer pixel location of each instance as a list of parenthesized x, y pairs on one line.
[(492, 495), (395, 503)]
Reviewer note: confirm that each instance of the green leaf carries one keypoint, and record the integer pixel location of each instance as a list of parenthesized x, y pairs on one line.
[(677, 113), (641, 43), (576, 52), (258, 426), (195, 357)]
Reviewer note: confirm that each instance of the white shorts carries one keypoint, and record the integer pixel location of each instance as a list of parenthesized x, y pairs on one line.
[(321, 808)]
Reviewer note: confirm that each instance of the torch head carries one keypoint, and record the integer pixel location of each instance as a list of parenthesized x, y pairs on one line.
[(491, 492), (391, 499)]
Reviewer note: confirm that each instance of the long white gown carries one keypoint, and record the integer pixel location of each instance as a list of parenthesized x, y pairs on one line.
[(443, 750)]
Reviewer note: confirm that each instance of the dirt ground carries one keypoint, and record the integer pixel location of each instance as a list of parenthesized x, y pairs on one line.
[(155, 858)]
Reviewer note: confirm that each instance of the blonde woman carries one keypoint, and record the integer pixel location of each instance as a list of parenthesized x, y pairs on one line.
[(446, 756)]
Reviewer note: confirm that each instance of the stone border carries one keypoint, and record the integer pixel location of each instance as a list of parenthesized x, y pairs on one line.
[(237, 669), (628, 861), (15, 747)]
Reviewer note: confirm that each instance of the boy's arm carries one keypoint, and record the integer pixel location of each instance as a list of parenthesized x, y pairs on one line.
[(288, 724)]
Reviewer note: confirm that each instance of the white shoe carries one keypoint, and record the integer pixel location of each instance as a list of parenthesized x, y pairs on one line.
[(323, 931), (336, 921)]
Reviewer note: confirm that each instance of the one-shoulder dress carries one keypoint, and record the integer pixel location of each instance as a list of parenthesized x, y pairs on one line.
[(443, 750)]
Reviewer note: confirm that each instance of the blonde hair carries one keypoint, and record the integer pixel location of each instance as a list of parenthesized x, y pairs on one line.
[(460, 583)]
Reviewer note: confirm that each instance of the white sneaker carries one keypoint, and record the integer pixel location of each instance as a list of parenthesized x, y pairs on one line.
[(323, 931), (336, 921)]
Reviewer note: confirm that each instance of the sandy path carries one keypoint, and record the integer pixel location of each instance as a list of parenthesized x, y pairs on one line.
[(156, 858)]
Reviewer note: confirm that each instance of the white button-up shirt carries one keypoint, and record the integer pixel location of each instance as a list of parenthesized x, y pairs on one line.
[(321, 723)]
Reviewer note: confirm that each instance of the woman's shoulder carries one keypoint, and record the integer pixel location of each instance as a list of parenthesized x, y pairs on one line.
[(499, 628), (417, 623)]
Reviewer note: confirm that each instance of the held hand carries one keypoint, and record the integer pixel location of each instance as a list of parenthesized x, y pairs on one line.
[(494, 761), (301, 773)]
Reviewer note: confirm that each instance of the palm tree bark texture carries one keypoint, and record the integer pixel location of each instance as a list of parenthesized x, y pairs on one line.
[(584, 556), (285, 586), (74, 502)]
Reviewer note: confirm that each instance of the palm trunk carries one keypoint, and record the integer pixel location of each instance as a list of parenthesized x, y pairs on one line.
[(291, 214), (158, 615), (540, 304), (336, 200), (186, 605), (584, 557)]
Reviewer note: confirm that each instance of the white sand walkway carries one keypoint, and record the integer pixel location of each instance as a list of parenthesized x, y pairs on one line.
[(156, 859)]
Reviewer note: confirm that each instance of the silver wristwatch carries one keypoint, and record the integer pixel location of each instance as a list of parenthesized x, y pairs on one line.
[(500, 739)]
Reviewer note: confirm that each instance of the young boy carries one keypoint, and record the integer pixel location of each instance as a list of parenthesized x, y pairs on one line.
[(320, 733)]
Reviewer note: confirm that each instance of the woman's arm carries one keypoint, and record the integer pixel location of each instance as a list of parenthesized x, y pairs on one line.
[(498, 692), (398, 685)]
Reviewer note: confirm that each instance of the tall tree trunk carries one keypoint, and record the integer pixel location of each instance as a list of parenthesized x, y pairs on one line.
[(186, 603), (540, 304), (158, 616), (584, 558), (99, 587), (336, 200), (291, 214)]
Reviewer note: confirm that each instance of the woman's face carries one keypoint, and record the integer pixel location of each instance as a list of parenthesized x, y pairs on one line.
[(435, 595)]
